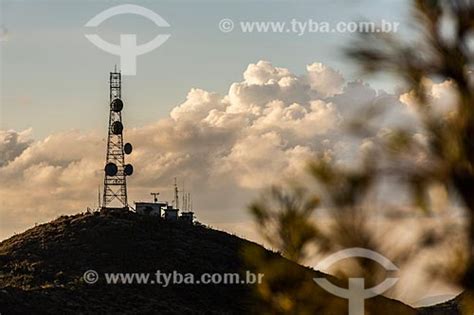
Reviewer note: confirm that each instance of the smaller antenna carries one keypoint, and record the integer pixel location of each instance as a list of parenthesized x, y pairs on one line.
[(98, 196), (176, 194), (155, 196), (185, 201), (184, 197), (190, 205)]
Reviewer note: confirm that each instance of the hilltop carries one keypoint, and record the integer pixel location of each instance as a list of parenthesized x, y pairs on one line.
[(41, 269)]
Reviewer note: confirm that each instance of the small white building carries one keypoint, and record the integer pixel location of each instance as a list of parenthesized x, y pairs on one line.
[(171, 214), (150, 208), (187, 217)]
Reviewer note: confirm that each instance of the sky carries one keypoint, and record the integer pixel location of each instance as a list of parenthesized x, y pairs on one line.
[(55, 79), (227, 113), (197, 108)]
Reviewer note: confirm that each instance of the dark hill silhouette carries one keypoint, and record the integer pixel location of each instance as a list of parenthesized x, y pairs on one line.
[(41, 269), (462, 304)]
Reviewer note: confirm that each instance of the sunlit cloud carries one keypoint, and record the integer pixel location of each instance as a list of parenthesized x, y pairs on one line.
[(225, 147)]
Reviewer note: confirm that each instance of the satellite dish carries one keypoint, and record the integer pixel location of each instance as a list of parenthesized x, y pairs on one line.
[(116, 105), (128, 169), (111, 169), (117, 128), (127, 148)]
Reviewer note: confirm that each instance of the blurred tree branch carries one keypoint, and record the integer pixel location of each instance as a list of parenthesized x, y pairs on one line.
[(436, 55), (442, 50)]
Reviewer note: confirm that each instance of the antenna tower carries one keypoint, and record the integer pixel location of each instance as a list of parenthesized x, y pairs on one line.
[(115, 183), (176, 194)]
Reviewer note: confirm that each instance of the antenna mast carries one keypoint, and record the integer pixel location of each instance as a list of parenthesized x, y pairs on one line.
[(189, 203), (155, 196), (176, 194), (98, 197), (115, 183), (184, 204), (185, 201)]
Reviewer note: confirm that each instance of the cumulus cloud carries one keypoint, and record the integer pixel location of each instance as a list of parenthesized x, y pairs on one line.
[(51, 173), (324, 80), (225, 147), (12, 144), (441, 96)]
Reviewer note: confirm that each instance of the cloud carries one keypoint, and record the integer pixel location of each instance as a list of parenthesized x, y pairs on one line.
[(325, 80), (12, 144), (50, 177), (441, 96), (225, 147), (263, 72)]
